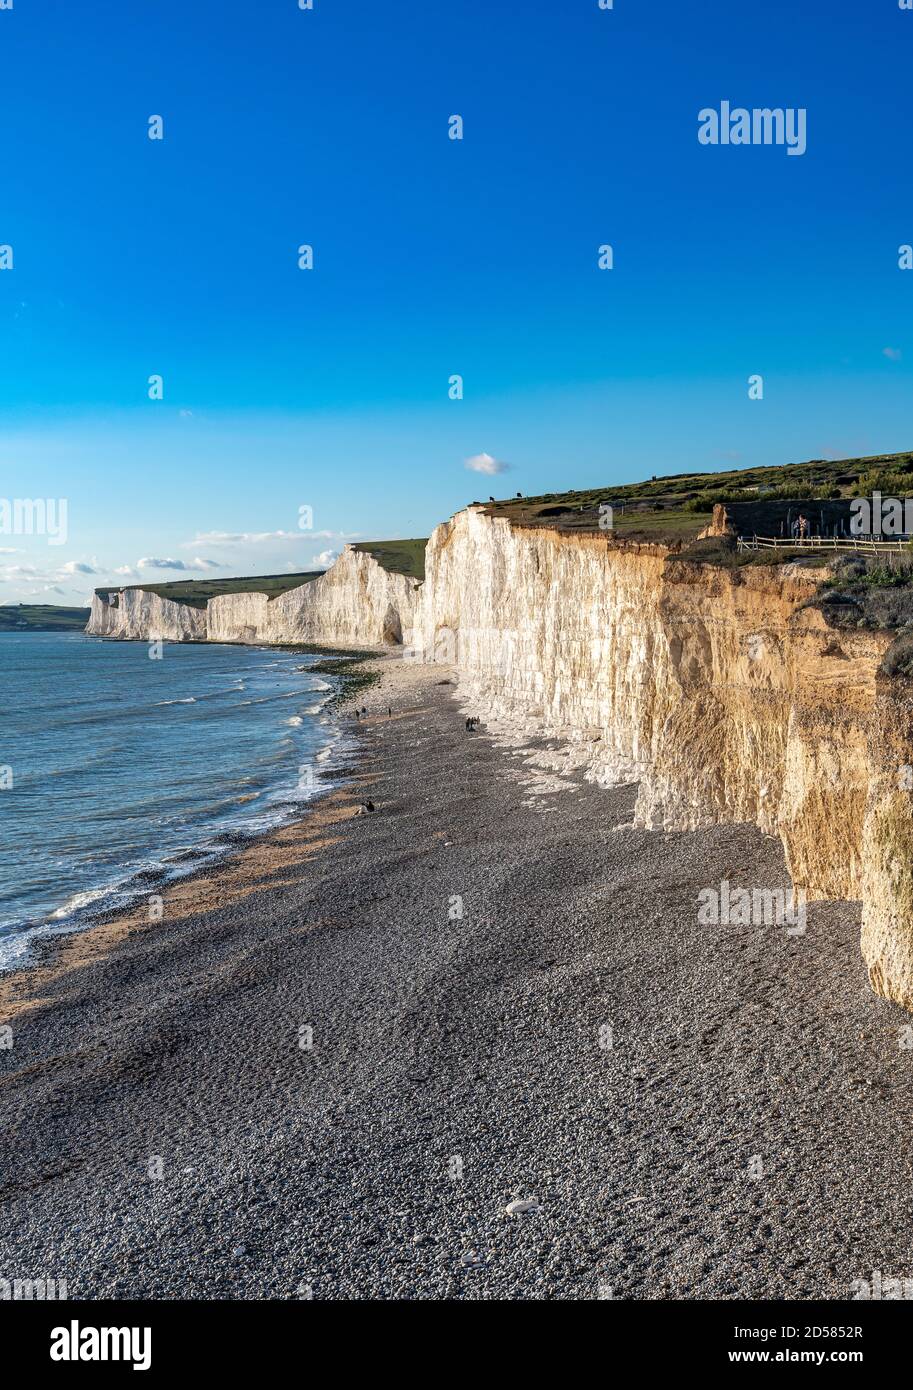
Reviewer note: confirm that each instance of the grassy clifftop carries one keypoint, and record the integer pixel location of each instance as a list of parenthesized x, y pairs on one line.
[(399, 557), (41, 617), (677, 507), (197, 592)]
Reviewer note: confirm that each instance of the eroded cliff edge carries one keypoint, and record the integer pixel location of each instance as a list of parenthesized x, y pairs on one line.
[(717, 689)]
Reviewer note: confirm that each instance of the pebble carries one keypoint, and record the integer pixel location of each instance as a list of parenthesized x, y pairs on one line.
[(522, 1206)]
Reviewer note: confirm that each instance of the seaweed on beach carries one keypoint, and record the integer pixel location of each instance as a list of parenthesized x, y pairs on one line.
[(346, 665)]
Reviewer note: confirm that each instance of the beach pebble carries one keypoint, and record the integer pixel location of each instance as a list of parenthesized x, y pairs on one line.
[(471, 1259), (522, 1206)]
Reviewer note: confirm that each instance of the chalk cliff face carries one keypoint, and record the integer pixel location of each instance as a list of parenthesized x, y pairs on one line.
[(887, 915), (356, 603), (713, 688), (136, 615)]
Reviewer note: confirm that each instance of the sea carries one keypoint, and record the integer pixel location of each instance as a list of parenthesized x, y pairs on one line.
[(119, 772)]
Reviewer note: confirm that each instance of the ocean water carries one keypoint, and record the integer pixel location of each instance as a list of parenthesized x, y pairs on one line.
[(127, 771)]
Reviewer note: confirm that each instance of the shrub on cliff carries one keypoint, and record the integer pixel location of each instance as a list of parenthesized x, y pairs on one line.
[(890, 482), (869, 593), (898, 659)]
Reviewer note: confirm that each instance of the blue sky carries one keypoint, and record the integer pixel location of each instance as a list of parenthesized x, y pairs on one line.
[(329, 388)]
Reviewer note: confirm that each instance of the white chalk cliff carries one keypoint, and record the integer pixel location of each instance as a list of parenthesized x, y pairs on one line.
[(714, 689), (356, 603), (135, 615)]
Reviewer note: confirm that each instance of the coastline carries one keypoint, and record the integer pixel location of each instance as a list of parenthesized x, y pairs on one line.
[(126, 897), (341, 1055), (223, 877)]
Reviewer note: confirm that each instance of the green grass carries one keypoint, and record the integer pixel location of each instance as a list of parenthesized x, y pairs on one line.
[(399, 557), (41, 617), (659, 526), (197, 592), (677, 507)]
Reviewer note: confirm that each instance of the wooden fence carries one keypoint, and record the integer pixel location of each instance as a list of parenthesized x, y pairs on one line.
[(869, 545)]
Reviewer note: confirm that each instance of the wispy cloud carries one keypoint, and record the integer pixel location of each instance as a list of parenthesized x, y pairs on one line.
[(19, 571), (892, 354), (152, 562), (242, 538), (267, 552)]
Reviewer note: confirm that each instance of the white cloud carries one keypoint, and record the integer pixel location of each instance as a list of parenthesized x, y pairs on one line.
[(266, 552), (19, 571), (484, 463), (22, 581), (151, 562), (77, 567), (251, 538), (892, 354)]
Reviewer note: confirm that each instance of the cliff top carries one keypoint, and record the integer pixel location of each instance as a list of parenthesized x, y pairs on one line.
[(398, 557), (196, 593), (674, 509)]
